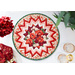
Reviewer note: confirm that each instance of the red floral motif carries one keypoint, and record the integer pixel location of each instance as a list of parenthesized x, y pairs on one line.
[(29, 41), (6, 26), (40, 39), (32, 35), (38, 47), (39, 32)]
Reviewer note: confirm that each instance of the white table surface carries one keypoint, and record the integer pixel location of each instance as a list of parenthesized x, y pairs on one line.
[(66, 35)]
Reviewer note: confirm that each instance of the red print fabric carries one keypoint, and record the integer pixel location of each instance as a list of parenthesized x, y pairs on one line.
[(6, 53), (6, 26)]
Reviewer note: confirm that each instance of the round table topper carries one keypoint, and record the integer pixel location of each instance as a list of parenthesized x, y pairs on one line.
[(35, 36)]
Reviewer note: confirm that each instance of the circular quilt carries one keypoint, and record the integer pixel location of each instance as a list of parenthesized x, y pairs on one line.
[(35, 36)]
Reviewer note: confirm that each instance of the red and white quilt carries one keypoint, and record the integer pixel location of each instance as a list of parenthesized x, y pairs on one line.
[(35, 36)]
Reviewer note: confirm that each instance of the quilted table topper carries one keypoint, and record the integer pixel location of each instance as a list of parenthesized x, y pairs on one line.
[(35, 36)]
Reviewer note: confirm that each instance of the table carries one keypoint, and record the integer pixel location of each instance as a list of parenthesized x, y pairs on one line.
[(66, 35)]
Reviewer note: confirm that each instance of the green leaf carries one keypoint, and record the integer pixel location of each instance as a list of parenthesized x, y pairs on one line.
[(72, 13), (28, 32), (72, 20), (43, 30), (72, 26), (25, 38), (33, 41), (66, 19), (58, 22), (55, 15), (60, 18), (46, 37)]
